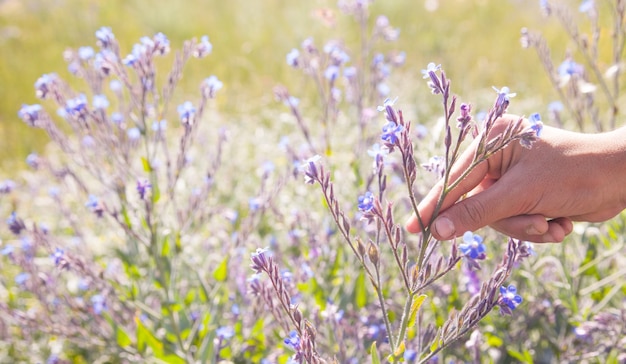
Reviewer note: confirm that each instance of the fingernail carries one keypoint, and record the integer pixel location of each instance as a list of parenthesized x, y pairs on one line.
[(444, 227)]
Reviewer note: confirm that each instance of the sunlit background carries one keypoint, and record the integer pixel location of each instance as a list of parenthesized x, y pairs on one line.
[(476, 41)]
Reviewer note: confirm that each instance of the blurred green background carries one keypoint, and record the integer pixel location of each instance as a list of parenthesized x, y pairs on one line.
[(477, 42)]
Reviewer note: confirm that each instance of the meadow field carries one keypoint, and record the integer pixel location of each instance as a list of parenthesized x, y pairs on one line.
[(206, 181)]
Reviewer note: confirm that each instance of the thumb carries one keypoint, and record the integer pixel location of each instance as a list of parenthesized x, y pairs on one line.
[(472, 213)]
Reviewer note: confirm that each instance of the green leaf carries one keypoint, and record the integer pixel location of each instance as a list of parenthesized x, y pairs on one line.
[(399, 352), (517, 355), (122, 338), (374, 354), (146, 165), (221, 272), (415, 307), (145, 339), (360, 292)]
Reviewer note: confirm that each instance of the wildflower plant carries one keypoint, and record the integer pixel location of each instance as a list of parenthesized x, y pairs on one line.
[(124, 149)]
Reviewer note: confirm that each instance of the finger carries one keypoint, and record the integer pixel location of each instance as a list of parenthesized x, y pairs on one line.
[(535, 228), (500, 201)]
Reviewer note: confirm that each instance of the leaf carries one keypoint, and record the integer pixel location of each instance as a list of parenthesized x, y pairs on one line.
[(146, 165), (360, 292), (399, 352), (415, 307), (374, 354), (517, 355), (122, 338), (221, 272), (145, 339)]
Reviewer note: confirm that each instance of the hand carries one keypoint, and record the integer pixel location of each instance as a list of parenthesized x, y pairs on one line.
[(533, 194)]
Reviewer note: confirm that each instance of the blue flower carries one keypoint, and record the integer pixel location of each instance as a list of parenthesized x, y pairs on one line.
[(390, 132), (21, 278), (203, 48), (570, 68), (76, 107), (29, 113), (537, 125), (366, 202), (293, 57), (472, 246), (410, 355), (7, 250), (7, 186), (133, 134), (105, 37), (509, 299), (186, 112), (58, 256), (44, 84), (331, 73), (586, 6), (225, 332), (143, 187), (293, 340), (431, 67), (98, 303), (210, 86), (85, 53), (100, 102)]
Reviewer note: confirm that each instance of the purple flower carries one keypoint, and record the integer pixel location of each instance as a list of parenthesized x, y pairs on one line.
[(502, 101), (331, 73), (536, 124), (293, 57), (16, 225), (203, 48), (260, 259), (390, 132), (186, 112), (210, 86), (570, 68), (33, 160), (430, 68), (366, 202), (472, 246), (225, 332), (58, 256), (29, 113), (7, 250), (76, 107), (43, 85), (161, 45), (85, 53), (93, 204), (133, 134), (100, 102), (104, 37), (21, 278), (509, 299), (6, 186), (586, 6), (293, 340), (143, 187), (98, 303)]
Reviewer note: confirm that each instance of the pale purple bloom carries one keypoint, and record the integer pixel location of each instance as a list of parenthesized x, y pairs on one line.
[(117, 118), (225, 332), (7, 186), (390, 132), (186, 112), (536, 124), (431, 67), (203, 48), (586, 6), (100, 102), (58, 256), (29, 113), (76, 107), (85, 53), (21, 278), (115, 85), (143, 187), (331, 72), (99, 304), (570, 68), (104, 37), (44, 84), (210, 86), (293, 57)]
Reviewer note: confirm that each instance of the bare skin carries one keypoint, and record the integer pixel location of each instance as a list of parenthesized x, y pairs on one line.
[(535, 194)]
